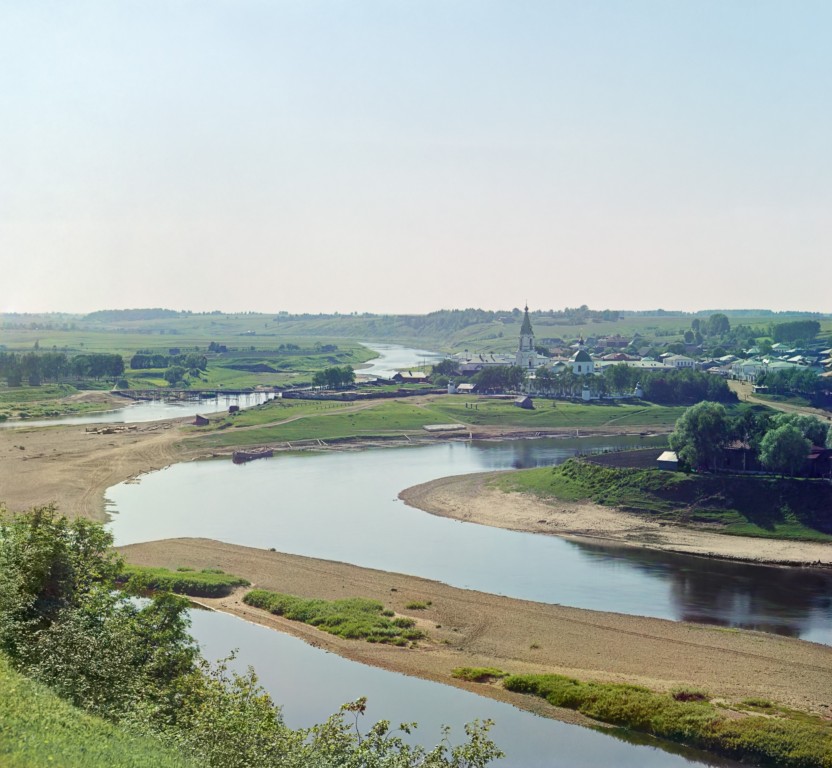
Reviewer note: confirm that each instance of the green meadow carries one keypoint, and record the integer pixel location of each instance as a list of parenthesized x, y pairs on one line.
[(294, 420)]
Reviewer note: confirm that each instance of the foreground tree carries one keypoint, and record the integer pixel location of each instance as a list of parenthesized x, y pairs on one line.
[(700, 435), (64, 622)]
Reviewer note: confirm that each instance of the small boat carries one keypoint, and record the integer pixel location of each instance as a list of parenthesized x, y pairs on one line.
[(241, 457)]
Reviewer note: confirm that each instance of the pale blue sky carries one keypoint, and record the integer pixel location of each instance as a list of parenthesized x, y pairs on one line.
[(409, 156)]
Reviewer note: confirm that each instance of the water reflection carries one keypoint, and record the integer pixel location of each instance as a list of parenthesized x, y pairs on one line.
[(785, 601)]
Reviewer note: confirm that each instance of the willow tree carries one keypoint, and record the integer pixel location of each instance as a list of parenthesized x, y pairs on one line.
[(700, 434)]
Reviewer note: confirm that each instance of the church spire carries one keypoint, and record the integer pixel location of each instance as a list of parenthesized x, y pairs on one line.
[(526, 356), (526, 328)]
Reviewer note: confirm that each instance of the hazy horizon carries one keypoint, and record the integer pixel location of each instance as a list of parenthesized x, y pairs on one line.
[(398, 158), (653, 311)]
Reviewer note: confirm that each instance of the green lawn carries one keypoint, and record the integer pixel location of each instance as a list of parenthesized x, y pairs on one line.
[(553, 414), (383, 418), (329, 420), (209, 582), (37, 729)]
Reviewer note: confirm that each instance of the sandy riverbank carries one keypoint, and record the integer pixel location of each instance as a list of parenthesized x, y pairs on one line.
[(73, 466), (471, 499), (467, 628)]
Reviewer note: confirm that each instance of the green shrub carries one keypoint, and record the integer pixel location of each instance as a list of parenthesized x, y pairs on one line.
[(477, 674), (353, 618), (797, 741), (207, 583)]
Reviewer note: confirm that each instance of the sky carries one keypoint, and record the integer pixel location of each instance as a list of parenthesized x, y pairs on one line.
[(403, 156)]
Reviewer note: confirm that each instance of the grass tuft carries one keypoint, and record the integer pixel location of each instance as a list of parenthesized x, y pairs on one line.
[(478, 674)]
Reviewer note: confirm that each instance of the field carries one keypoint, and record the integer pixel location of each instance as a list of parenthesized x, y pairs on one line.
[(441, 331), (293, 420), (43, 402)]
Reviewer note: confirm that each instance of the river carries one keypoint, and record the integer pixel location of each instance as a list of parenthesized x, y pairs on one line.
[(343, 506), (313, 684), (142, 411)]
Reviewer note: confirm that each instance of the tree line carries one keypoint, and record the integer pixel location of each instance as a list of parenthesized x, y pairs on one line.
[(36, 368), (795, 330), (799, 381), (192, 361), (781, 441), (334, 377), (678, 386)]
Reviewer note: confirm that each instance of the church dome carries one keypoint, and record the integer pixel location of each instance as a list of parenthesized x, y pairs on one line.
[(581, 356)]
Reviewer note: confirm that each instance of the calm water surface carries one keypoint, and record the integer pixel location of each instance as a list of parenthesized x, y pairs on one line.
[(393, 357), (314, 684), (147, 410), (344, 506)]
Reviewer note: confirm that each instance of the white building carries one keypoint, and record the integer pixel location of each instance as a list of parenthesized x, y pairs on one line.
[(679, 361), (582, 363)]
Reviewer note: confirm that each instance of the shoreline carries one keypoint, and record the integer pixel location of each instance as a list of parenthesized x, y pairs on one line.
[(67, 465), (470, 499), (477, 629)]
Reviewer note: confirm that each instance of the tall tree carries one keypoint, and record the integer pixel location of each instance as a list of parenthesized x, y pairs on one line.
[(813, 429), (718, 324), (700, 434), (784, 450)]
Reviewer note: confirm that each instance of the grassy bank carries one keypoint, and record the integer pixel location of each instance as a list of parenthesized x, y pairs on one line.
[(43, 402), (756, 731), (352, 618), (286, 421), (38, 729), (783, 508), (183, 581), (555, 414)]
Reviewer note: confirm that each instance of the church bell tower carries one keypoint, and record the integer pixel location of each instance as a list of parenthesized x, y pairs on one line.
[(526, 357)]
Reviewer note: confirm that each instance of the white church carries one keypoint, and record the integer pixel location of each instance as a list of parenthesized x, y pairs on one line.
[(526, 356)]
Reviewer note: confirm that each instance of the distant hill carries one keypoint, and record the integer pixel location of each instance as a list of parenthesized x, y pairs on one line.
[(122, 315)]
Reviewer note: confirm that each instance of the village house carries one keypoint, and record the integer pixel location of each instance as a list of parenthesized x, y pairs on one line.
[(679, 361)]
